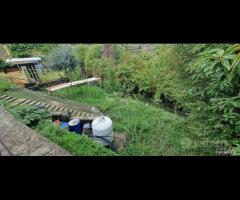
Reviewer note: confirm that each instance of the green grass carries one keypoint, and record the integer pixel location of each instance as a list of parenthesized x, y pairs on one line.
[(5, 84), (78, 145), (150, 130), (50, 76)]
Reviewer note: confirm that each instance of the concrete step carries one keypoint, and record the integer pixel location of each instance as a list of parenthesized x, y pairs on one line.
[(11, 100), (38, 103), (74, 113), (32, 103), (3, 96), (56, 108), (79, 113), (25, 102), (18, 102), (47, 106), (14, 101), (51, 107), (61, 109), (6, 98)]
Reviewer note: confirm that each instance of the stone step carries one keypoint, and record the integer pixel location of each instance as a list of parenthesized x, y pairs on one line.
[(18, 102), (65, 110), (32, 103), (3, 96), (11, 100), (61, 109), (38, 103), (47, 106), (26, 102), (51, 107), (23, 102), (43, 105), (56, 108), (74, 112), (6, 98), (78, 114)]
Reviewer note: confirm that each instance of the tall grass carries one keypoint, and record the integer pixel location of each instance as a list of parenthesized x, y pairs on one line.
[(150, 130), (5, 84)]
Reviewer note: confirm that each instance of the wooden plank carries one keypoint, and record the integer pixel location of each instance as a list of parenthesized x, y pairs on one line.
[(65, 85)]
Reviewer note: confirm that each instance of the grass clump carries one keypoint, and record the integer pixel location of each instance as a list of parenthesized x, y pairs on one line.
[(150, 130), (78, 145), (5, 84)]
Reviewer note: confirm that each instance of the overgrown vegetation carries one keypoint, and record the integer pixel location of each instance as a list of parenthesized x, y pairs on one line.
[(150, 130), (5, 84), (39, 120), (200, 81), (28, 50), (29, 115), (78, 145)]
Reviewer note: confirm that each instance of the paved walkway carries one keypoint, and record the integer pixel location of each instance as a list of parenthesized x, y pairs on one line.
[(16, 139)]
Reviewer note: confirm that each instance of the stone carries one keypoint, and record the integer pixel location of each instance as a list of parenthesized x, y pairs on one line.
[(119, 140)]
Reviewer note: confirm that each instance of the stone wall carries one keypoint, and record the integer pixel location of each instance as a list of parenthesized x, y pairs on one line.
[(16, 139)]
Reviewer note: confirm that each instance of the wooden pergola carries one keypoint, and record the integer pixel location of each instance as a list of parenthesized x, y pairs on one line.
[(28, 63)]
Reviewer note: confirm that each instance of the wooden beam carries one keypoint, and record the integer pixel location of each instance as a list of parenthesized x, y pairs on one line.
[(65, 85)]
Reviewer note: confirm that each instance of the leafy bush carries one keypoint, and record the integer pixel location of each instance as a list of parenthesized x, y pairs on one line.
[(29, 115), (2, 64), (78, 145), (216, 72), (62, 58), (27, 50)]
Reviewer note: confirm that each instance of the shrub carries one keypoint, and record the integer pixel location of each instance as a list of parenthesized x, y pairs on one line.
[(29, 115), (27, 50), (216, 73), (62, 58), (2, 64)]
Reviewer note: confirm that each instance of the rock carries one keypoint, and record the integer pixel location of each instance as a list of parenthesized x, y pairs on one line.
[(119, 139)]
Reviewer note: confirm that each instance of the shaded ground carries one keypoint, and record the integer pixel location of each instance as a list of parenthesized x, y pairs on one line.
[(16, 139)]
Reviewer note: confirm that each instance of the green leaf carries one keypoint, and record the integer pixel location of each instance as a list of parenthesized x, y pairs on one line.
[(220, 52), (226, 64), (229, 57)]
